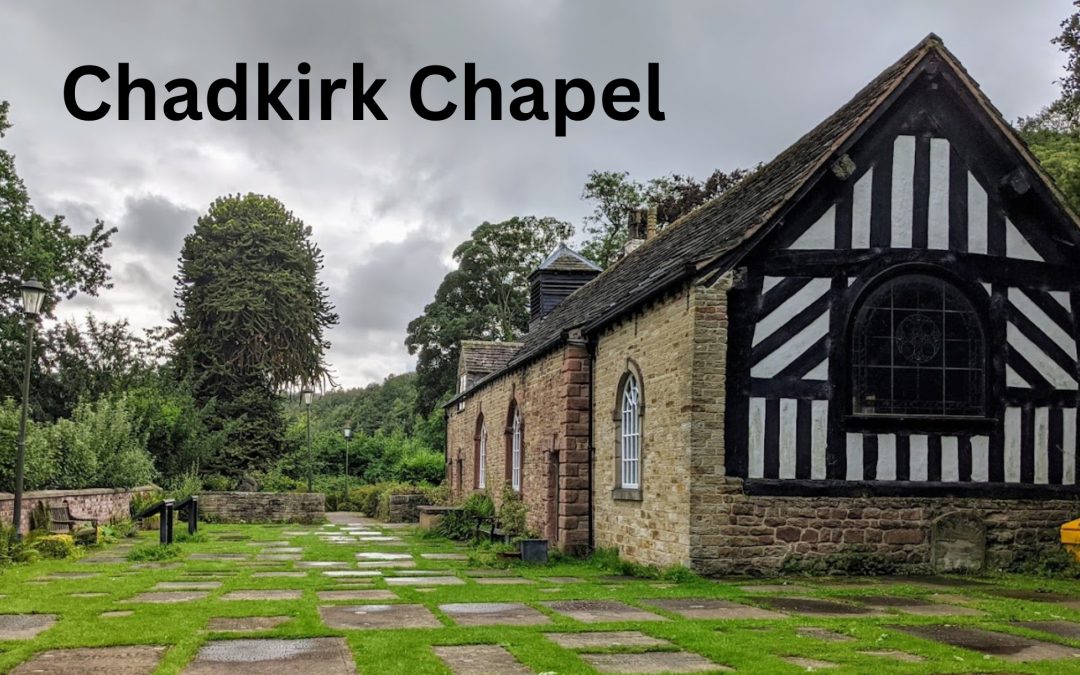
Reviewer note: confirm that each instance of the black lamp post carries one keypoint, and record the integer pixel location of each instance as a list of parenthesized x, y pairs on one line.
[(347, 431), (306, 396), (33, 294)]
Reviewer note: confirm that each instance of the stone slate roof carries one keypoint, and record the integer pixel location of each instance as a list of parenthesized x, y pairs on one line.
[(711, 234), (563, 259), (482, 357)]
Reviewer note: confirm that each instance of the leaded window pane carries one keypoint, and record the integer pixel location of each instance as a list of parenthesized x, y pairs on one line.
[(918, 348), (515, 458), (630, 454)]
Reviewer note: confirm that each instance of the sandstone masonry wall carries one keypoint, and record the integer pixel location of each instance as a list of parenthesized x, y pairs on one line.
[(102, 504), (263, 507), (552, 394), (756, 534), (659, 344)]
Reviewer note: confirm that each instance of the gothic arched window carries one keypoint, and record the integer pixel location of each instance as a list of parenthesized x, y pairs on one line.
[(630, 436), (515, 449), (918, 348), (480, 457)]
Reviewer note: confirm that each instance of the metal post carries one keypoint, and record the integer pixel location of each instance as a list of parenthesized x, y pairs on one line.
[(346, 468), (20, 456), (310, 460), (193, 515)]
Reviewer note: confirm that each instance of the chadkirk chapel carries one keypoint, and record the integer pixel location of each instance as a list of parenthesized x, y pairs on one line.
[(866, 348)]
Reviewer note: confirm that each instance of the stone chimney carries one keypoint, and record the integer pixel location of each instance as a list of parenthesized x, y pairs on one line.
[(561, 273), (650, 226), (637, 233)]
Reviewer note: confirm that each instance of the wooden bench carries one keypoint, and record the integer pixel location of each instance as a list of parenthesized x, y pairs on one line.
[(63, 521)]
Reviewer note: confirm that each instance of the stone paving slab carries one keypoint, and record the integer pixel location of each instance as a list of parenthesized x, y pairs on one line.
[(606, 639), (118, 614), (322, 564), (361, 617), (444, 556), (88, 594), (388, 564), (325, 656), (167, 597), (601, 611), (187, 585), (1036, 596), (96, 661), (809, 664), (894, 655), (377, 555), (24, 626), (263, 595), (424, 581), (228, 557), (364, 594), (653, 662), (696, 608), (271, 575), (352, 574), (775, 588), (1007, 647), (562, 580), (480, 660), (494, 614), (244, 624), (916, 606), (816, 607), (423, 573), (65, 576), (504, 581), (823, 634), (489, 573), (278, 557), (1066, 629)]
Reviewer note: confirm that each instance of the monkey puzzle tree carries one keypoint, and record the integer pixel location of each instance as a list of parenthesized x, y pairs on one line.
[(251, 321)]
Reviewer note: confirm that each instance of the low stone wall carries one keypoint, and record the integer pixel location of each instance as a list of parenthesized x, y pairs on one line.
[(102, 504), (764, 534), (263, 507), (405, 508)]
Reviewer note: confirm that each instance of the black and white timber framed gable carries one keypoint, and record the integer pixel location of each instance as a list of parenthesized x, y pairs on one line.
[(906, 323)]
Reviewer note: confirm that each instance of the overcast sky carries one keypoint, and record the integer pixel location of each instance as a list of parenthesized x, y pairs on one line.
[(389, 200)]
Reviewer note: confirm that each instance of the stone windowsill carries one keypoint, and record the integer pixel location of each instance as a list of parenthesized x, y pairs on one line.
[(626, 494)]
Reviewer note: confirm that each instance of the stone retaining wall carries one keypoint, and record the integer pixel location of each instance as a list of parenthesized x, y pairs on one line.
[(102, 504), (263, 507), (763, 534), (405, 508)]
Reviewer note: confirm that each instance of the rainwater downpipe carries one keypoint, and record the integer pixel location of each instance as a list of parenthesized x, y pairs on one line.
[(591, 348)]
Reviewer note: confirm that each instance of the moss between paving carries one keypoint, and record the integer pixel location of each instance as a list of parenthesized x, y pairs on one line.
[(748, 645)]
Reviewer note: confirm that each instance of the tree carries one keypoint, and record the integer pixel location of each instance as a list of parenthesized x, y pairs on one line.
[(84, 363), (615, 197), (1068, 41), (485, 298), (252, 317), (47, 249)]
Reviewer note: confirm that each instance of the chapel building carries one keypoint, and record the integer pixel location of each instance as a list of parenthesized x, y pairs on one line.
[(866, 348)]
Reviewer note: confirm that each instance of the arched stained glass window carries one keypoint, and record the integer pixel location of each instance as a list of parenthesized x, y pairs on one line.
[(918, 349), (630, 454)]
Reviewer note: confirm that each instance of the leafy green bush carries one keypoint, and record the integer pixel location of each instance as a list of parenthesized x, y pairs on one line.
[(366, 499), (11, 547), (608, 560), (55, 546), (422, 467), (218, 483), (185, 485), (39, 466), (154, 552), (512, 514), (182, 537), (461, 524)]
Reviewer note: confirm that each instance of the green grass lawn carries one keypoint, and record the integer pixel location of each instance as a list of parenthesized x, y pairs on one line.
[(751, 646)]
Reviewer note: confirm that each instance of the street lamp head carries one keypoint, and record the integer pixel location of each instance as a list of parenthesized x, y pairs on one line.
[(306, 395), (33, 295), (348, 432)]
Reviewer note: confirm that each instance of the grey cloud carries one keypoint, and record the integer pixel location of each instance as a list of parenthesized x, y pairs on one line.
[(740, 81)]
